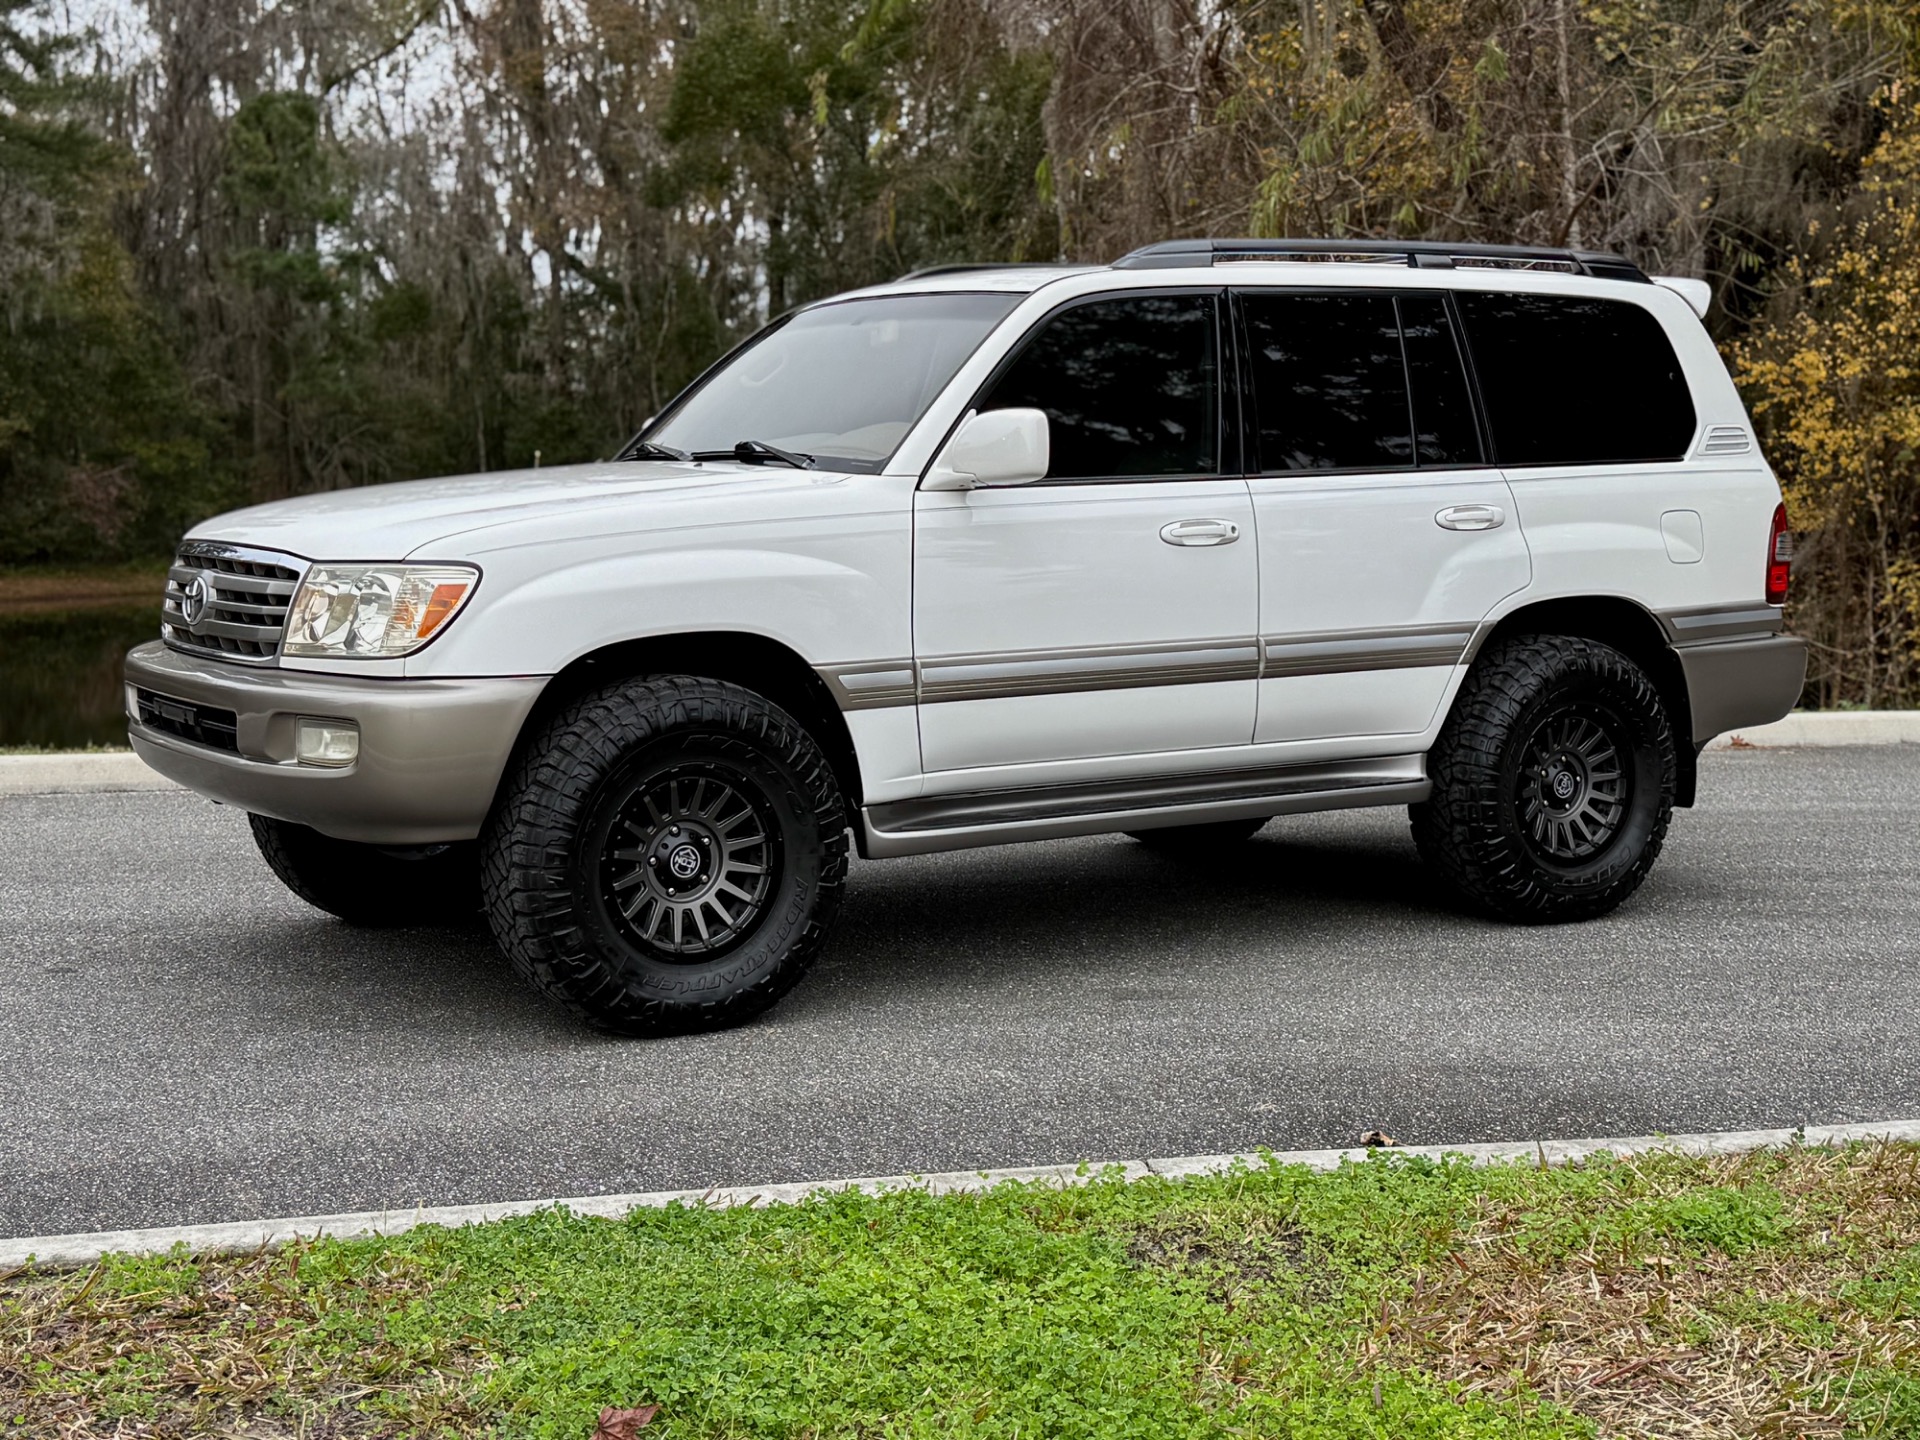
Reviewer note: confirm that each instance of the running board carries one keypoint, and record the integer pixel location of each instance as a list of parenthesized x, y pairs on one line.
[(1001, 817)]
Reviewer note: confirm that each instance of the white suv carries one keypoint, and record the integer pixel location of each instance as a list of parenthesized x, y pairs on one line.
[(1224, 531)]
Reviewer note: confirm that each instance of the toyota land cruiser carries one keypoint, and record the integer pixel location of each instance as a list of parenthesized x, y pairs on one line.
[(1224, 531)]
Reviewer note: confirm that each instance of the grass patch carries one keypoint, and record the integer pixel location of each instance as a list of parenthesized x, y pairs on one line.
[(1775, 1294)]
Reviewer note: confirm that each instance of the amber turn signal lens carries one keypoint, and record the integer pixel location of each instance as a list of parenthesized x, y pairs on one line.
[(442, 603)]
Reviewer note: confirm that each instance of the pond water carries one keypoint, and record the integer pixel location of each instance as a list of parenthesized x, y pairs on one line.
[(60, 672)]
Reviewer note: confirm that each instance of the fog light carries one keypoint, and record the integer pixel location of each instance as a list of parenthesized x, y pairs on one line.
[(133, 702), (326, 742)]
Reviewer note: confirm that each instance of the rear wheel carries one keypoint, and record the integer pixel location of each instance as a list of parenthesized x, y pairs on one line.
[(667, 857), (1553, 782), (372, 885), (1194, 839)]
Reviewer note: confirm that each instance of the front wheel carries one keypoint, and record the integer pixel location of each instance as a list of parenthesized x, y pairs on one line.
[(667, 857), (1553, 782)]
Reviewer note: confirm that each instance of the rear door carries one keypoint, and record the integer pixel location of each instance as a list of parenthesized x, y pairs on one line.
[(1108, 610), (1385, 534)]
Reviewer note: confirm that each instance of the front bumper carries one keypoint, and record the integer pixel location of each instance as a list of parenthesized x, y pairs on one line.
[(1736, 683), (431, 751)]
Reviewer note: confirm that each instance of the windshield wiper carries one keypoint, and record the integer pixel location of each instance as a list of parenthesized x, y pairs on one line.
[(651, 450), (758, 452)]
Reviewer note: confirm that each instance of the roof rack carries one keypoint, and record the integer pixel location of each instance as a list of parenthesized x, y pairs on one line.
[(1416, 254)]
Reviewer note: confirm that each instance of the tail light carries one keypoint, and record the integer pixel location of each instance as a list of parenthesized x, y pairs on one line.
[(1779, 557)]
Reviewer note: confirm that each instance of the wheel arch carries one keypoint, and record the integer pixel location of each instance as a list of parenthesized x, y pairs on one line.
[(755, 662), (1628, 627)]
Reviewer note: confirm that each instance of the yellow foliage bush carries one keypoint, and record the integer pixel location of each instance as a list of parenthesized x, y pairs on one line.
[(1833, 381)]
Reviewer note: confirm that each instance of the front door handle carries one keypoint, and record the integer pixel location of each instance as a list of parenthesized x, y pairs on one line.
[(1470, 517), (1200, 532)]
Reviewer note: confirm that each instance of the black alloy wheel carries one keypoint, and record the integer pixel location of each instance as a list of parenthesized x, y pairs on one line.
[(1574, 783), (688, 856)]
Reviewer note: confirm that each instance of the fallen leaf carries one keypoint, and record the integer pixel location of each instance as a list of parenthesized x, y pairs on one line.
[(618, 1424), (1378, 1140)]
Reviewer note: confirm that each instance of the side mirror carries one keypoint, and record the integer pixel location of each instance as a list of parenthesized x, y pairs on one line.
[(998, 447)]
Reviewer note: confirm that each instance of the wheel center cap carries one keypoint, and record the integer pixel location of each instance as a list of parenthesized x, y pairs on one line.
[(1563, 786), (684, 862)]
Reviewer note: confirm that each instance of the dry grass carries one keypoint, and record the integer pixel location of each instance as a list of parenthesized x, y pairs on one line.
[(29, 590), (1761, 1335), (222, 1348)]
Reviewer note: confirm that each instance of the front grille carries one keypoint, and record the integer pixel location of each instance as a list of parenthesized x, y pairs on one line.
[(202, 724), (228, 601)]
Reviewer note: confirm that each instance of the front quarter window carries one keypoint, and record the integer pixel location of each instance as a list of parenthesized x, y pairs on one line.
[(842, 382)]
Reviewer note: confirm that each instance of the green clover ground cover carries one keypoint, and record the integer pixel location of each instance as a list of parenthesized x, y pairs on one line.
[(1397, 1298)]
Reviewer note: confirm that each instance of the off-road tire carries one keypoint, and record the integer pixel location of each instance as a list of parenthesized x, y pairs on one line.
[(581, 830), (1495, 829), (1199, 839), (372, 885)]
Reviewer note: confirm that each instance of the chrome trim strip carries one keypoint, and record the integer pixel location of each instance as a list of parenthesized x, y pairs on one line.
[(871, 684), (1343, 651), (1720, 622), (1053, 672), (956, 822)]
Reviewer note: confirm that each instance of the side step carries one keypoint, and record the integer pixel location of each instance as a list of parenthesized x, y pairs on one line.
[(1053, 812)]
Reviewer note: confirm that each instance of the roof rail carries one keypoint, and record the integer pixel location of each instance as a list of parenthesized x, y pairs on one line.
[(964, 266), (1417, 254)]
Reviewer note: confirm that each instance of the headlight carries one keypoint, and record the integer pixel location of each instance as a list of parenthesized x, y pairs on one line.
[(374, 612)]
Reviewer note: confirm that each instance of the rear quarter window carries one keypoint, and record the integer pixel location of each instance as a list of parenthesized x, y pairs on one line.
[(1576, 380)]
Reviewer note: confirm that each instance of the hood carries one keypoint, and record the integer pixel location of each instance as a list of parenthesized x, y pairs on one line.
[(396, 522)]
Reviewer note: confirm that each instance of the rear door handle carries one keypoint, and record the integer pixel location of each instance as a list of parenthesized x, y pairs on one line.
[(1200, 532), (1470, 517)]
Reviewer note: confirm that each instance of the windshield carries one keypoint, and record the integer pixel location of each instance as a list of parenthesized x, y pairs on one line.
[(841, 382)]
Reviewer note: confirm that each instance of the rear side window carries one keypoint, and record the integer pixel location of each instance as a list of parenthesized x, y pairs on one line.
[(1357, 381), (1329, 385), (1131, 387), (1569, 380)]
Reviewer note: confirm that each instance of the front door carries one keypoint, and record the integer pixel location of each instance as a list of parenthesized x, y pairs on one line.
[(1110, 608), (1385, 536)]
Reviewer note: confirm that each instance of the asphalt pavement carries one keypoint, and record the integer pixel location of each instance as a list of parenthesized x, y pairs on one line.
[(182, 1041)]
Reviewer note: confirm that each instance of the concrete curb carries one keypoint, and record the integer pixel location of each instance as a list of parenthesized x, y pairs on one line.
[(250, 1235), (78, 774), (1829, 727)]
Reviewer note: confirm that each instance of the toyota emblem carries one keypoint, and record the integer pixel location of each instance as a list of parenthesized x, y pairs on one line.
[(194, 600)]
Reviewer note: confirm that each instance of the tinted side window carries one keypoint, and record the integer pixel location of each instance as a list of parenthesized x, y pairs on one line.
[(1444, 430), (1329, 386), (1569, 380), (1130, 386)]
